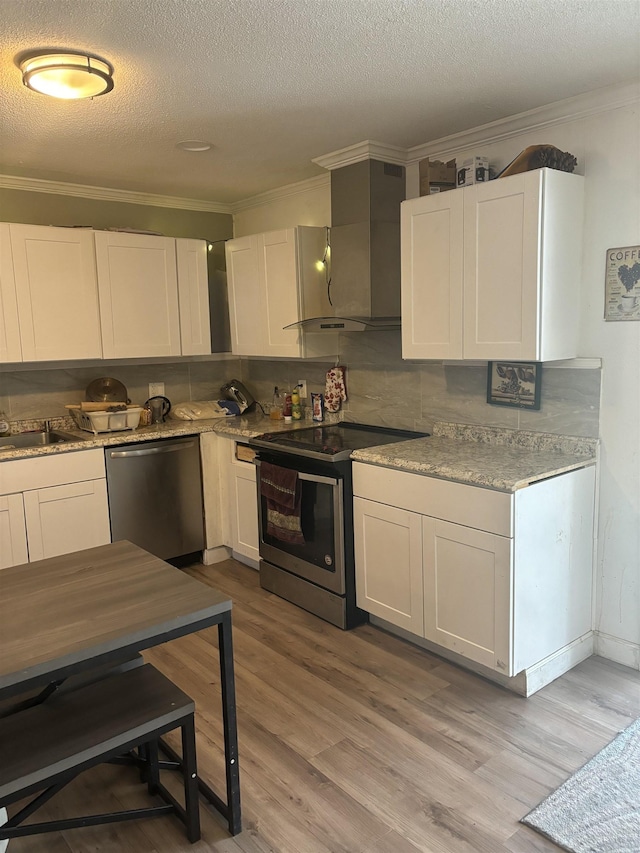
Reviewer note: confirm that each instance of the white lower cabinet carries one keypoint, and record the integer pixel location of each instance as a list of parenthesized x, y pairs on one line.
[(467, 591), (503, 580), (62, 519), (387, 536), (239, 498), (52, 505), (13, 533)]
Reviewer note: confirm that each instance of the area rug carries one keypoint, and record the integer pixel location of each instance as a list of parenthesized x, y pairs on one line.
[(597, 810)]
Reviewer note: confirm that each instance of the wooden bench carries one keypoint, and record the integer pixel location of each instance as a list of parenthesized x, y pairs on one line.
[(46, 746)]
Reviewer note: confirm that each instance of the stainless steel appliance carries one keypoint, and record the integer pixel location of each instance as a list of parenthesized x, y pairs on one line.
[(364, 281), (235, 390), (155, 495), (316, 573), (159, 407)]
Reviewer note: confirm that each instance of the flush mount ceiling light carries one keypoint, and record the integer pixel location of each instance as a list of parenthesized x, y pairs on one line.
[(193, 145), (67, 74)]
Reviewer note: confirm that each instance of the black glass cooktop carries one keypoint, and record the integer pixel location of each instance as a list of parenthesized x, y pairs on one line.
[(331, 441)]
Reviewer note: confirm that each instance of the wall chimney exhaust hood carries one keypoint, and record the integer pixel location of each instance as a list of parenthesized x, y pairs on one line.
[(364, 293)]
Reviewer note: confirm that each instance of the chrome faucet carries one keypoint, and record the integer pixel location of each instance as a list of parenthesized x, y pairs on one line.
[(47, 425)]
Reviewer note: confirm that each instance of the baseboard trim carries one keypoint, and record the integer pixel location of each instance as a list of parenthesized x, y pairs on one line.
[(552, 667), (248, 561), (215, 555), (525, 683), (615, 649)]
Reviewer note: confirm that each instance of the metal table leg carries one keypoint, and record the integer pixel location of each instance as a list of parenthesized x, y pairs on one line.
[(230, 724)]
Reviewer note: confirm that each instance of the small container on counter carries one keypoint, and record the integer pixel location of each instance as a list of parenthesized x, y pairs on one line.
[(5, 429), (317, 406), (296, 408), (277, 407), (287, 408)]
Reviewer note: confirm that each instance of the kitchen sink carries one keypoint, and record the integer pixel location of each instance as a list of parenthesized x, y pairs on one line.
[(35, 439)]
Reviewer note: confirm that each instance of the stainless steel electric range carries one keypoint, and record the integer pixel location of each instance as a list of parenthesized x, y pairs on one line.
[(306, 549)]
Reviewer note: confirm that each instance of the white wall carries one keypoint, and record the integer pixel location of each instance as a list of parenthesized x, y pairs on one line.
[(605, 137), (606, 145), (307, 203)]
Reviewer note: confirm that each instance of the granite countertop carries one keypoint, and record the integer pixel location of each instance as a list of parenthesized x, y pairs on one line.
[(492, 457), (245, 426), (501, 459)]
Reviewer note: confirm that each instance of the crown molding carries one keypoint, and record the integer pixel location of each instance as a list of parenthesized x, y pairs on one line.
[(319, 182), (366, 150), (560, 112), (38, 185)]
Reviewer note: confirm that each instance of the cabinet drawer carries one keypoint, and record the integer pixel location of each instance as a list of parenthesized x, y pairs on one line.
[(471, 506), (21, 475)]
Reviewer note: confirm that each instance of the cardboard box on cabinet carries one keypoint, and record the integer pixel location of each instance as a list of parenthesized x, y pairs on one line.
[(474, 170), (436, 176)]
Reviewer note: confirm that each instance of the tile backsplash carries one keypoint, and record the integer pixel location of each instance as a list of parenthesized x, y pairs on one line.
[(381, 387), (33, 394), (384, 389)]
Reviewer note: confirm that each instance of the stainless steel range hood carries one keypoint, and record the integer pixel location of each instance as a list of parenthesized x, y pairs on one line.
[(365, 248)]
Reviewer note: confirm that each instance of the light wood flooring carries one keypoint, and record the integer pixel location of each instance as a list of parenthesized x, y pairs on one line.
[(356, 742)]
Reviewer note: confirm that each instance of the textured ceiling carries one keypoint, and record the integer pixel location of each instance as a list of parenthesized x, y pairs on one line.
[(274, 83)]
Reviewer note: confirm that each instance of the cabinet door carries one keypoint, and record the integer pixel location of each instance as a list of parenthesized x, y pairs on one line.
[(56, 291), (244, 510), (138, 287), (388, 553), (13, 534), (431, 237), (10, 349), (245, 310), (193, 296), (62, 519), (279, 286), (467, 592), (502, 268)]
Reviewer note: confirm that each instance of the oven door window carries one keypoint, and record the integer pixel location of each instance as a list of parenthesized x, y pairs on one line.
[(320, 557)]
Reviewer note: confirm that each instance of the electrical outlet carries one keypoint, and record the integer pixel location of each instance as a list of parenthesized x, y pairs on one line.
[(156, 389), (303, 388)]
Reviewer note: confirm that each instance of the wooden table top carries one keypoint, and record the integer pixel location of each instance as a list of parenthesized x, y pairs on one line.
[(63, 612)]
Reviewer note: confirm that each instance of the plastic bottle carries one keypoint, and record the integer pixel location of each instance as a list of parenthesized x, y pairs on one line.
[(4, 424), (276, 409), (296, 409)]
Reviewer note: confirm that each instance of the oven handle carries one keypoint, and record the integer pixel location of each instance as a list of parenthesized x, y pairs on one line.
[(315, 478)]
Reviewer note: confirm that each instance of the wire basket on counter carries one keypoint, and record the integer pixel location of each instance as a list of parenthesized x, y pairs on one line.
[(106, 421)]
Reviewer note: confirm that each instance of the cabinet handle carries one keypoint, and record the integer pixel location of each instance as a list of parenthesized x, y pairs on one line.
[(148, 451), (315, 478)]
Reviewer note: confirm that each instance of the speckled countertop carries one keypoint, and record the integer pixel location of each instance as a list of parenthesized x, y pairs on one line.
[(501, 459), (240, 427)]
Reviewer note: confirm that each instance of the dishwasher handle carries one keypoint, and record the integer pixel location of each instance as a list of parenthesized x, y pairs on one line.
[(149, 451)]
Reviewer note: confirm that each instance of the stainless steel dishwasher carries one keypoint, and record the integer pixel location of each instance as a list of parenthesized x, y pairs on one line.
[(155, 495)]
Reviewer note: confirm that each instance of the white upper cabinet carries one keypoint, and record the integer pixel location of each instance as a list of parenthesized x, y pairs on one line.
[(55, 293), (193, 296), (10, 349), (431, 308), (138, 287), (274, 281), (493, 271), (247, 337), (278, 292)]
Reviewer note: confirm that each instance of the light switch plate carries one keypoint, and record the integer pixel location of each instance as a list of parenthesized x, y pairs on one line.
[(156, 389)]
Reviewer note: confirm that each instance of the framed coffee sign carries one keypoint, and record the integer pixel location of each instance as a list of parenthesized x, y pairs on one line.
[(622, 284)]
